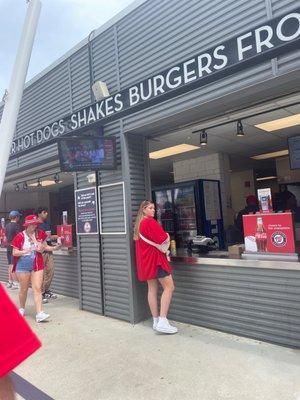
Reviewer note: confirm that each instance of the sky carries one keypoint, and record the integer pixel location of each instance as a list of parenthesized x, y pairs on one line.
[(62, 24)]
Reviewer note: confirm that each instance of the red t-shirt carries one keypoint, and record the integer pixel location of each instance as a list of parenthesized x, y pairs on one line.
[(17, 341), (18, 243), (148, 257)]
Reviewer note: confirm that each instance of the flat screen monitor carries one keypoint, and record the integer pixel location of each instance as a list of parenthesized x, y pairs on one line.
[(86, 153), (294, 151)]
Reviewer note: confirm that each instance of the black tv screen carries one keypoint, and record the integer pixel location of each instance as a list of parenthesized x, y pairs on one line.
[(86, 153), (294, 152)]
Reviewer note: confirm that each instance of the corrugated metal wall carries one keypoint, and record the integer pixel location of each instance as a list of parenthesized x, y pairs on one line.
[(173, 31), (3, 266), (89, 265), (137, 181), (290, 61), (263, 304), (65, 280), (116, 283)]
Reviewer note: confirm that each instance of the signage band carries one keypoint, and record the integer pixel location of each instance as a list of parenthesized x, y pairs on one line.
[(271, 39)]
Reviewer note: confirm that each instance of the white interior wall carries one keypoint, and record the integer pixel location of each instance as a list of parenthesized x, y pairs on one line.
[(23, 200), (242, 185)]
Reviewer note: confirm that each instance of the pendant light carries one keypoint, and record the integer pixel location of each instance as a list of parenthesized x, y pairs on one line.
[(203, 138), (239, 129)]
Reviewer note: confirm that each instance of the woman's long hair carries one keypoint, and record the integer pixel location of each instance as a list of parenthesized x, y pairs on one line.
[(139, 217)]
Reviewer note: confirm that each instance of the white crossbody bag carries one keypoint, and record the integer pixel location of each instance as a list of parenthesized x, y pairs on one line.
[(164, 247)]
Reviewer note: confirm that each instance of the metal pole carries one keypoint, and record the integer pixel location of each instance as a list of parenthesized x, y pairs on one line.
[(16, 85)]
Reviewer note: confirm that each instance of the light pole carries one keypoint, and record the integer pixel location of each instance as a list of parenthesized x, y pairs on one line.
[(15, 91)]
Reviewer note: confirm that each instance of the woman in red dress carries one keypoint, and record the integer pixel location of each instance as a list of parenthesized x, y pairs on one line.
[(152, 264)]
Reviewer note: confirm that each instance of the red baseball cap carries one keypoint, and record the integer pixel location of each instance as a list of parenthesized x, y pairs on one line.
[(31, 220)]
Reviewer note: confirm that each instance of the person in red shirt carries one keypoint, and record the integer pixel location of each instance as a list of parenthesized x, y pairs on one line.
[(28, 247), (17, 342), (151, 243)]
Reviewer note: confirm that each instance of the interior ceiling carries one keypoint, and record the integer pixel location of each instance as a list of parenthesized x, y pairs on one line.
[(223, 139), (65, 178)]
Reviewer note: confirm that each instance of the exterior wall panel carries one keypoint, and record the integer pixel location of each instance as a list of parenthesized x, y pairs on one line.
[(80, 79), (258, 303), (89, 264), (45, 101), (65, 279)]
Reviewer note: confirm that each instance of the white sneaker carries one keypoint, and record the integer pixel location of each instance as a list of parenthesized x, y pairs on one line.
[(22, 311), (155, 322), (9, 285), (15, 285), (41, 316), (163, 326)]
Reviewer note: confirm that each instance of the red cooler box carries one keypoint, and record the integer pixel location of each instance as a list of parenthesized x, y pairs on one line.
[(269, 233)]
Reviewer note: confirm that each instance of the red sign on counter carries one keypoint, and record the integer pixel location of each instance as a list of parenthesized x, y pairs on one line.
[(269, 233), (65, 233), (3, 240)]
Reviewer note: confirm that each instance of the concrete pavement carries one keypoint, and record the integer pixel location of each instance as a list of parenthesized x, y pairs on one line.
[(89, 357)]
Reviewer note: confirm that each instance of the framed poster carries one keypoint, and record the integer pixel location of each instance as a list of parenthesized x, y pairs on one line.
[(86, 210)]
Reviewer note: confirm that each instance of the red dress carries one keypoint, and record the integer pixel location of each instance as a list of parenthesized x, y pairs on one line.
[(17, 341), (148, 257), (18, 243)]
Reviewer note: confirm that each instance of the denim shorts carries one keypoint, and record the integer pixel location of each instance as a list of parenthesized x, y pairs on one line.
[(25, 263), (161, 273)]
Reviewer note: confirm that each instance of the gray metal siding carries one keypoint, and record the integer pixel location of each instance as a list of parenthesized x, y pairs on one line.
[(114, 247), (290, 61), (258, 303), (45, 101), (162, 33), (138, 187), (40, 155), (155, 35), (65, 280), (104, 60), (80, 79), (3, 266), (173, 31), (89, 265), (115, 273)]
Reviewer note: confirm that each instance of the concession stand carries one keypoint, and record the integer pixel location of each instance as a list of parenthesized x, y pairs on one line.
[(204, 112)]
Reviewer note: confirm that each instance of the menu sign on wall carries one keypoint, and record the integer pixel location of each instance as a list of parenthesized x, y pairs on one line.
[(86, 211)]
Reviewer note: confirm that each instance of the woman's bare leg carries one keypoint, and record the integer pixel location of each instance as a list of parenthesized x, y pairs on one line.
[(36, 283), (166, 297), (24, 280), (152, 297)]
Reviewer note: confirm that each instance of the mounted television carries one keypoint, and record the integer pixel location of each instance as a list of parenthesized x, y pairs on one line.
[(86, 153), (294, 152)]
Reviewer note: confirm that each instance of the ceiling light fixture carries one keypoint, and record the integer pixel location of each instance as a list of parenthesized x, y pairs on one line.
[(274, 154), (280, 123), (266, 178), (203, 138), (239, 129), (171, 151), (56, 178)]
